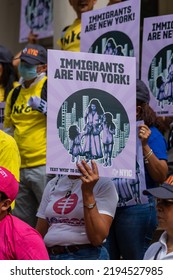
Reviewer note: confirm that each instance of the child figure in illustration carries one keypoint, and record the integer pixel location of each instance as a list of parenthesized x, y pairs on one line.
[(108, 130), (161, 96), (119, 50), (75, 137)]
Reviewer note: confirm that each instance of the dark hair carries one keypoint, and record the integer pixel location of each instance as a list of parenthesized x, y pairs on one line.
[(3, 196), (142, 92), (168, 122), (108, 117), (111, 42), (98, 105), (149, 117), (73, 132), (109, 121), (9, 75), (159, 81)]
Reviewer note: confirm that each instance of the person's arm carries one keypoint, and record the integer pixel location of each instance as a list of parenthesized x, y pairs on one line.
[(16, 59), (42, 226), (71, 142), (32, 39), (8, 125), (97, 225), (86, 115), (158, 169), (112, 129), (29, 245)]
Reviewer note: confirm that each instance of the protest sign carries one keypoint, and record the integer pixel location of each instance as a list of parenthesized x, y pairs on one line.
[(91, 113), (157, 62), (130, 191), (36, 16), (112, 30)]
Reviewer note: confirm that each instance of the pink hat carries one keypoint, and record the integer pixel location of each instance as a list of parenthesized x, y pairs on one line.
[(8, 183)]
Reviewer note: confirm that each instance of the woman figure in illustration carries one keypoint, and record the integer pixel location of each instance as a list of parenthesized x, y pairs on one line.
[(93, 119), (110, 47), (40, 11), (169, 82), (108, 130), (75, 142)]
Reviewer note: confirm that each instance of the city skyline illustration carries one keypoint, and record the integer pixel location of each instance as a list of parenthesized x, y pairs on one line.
[(67, 117)]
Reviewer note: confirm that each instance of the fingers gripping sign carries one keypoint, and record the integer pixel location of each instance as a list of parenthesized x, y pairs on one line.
[(144, 133), (90, 175)]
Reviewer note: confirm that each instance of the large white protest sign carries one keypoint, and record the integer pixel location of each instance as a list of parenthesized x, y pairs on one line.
[(91, 113)]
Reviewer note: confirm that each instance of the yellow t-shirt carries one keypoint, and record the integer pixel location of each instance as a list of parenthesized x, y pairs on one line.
[(70, 39), (9, 154), (29, 126), (2, 91)]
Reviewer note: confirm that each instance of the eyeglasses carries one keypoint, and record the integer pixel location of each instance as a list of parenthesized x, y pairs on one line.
[(164, 202)]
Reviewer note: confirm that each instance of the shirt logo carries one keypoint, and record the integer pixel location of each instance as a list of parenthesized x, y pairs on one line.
[(65, 205)]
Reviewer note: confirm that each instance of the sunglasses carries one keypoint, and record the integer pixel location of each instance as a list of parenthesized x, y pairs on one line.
[(164, 202)]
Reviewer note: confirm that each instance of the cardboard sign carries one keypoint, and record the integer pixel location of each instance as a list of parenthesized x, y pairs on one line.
[(91, 113)]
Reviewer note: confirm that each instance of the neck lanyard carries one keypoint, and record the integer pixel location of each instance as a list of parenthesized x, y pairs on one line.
[(158, 251)]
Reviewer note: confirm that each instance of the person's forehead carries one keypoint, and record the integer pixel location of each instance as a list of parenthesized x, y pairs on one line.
[(30, 65), (165, 202)]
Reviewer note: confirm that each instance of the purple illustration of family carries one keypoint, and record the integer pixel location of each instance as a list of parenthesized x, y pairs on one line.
[(98, 134), (38, 14), (165, 86), (111, 48)]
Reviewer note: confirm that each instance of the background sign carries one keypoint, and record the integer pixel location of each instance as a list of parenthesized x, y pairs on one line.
[(157, 62), (36, 16), (113, 30)]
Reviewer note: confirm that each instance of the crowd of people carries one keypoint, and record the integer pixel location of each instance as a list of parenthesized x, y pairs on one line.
[(76, 217)]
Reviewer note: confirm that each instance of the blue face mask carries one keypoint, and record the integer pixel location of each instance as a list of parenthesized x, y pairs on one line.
[(28, 72)]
